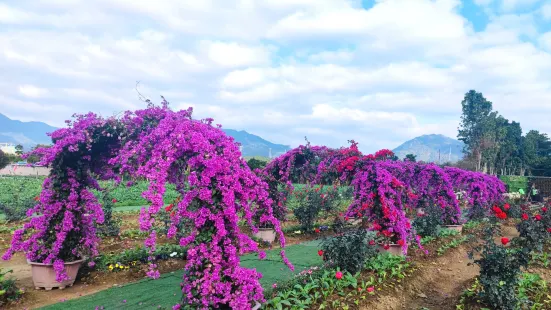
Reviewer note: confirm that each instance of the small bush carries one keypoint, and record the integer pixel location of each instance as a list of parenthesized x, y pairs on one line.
[(533, 232), (349, 251), (310, 201), (17, 210), (429, 223), (8, 291), (112, 224), (500, 268)]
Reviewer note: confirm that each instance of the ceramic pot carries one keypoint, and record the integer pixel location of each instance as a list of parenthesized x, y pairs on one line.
[(458, 228), (266, 234), (394, 249), (44, 275)]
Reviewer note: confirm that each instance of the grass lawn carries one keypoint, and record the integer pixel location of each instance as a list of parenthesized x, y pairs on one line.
[(165, 292)]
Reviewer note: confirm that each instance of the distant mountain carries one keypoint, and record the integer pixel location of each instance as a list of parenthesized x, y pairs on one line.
[(30, 134), (27, 134), (427, 148), (256, 146)]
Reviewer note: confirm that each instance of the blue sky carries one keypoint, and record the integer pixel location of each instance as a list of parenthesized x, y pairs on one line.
[(376, 71)]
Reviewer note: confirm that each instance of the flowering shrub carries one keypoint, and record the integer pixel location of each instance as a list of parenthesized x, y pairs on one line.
[(480, 190), (349, 251), (500, 268), (111, 223), (428, 224), (533, 232), (378, 197), (162, 146), (311, 201)]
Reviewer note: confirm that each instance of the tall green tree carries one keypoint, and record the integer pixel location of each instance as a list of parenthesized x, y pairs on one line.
[(19, 149), (411, 157), (474, 124)]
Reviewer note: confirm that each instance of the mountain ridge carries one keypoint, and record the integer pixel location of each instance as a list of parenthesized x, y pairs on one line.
[(32, 133), (432, 148)]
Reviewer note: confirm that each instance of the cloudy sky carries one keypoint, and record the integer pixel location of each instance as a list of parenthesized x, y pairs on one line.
[(377, 71)]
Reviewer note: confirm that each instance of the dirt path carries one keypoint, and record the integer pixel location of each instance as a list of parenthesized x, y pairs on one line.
[(435, 285)]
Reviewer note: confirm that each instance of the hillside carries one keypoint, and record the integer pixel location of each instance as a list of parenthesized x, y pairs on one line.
[(256, 146), (30, 134), (27, 134), (426, 148)]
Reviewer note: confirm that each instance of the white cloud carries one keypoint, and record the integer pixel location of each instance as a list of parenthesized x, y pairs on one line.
[(32, 91), (234, 54), (281, 69)]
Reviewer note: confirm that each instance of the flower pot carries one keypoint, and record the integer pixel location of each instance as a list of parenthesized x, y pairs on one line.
[(394, 249), (458, 228), (266, 234), (44, 275)]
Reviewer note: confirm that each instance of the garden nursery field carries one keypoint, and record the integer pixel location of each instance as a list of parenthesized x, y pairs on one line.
[(156, 210)]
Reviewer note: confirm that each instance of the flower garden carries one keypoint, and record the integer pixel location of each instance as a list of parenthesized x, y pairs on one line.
[(160, 197)]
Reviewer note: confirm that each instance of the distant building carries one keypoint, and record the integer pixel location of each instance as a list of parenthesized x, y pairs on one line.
[(8, 148)]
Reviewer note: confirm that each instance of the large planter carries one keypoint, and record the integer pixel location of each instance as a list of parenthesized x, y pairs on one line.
[(44, 275), (394, 249), (458, 228), (266, 234)]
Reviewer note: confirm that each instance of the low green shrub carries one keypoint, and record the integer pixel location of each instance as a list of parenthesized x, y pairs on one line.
[(349, 251), (8, 290), (428, 224)]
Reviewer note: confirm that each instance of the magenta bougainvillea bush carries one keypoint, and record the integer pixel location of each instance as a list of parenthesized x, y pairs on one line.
[(217, 189), (481, 191)]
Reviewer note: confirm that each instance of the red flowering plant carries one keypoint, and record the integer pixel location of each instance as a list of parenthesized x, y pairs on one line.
[(299, 165), (310, 201), (429, 185), (500, 268), (533, 231), (378, 197)]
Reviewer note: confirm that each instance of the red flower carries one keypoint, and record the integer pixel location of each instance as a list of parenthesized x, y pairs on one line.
[(338, 275), (504, 240), (320, 252), (172, 213), (501, 215), (549, 229), (169, 207), (114, 200), (538, 217), (36, 198), (386, 246), (370, 289), (506, 207), (401, 242), (372, 242), (497, 210), (525, 216), (346, 218), (544, 209), (317, 230)]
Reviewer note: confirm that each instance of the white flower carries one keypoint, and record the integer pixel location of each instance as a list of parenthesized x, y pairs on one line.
[(173, 254)]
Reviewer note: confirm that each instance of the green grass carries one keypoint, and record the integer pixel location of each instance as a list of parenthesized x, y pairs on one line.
[(165, 292)]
